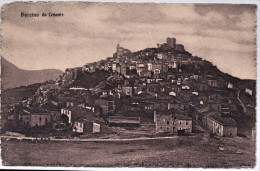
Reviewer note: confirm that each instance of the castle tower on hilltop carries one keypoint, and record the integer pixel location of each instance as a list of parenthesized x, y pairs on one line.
[(171, 42), (117, 48), (122, 51)]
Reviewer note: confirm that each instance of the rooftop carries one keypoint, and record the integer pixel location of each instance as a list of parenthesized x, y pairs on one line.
[(224, 121), (120, 119), (166, 112), (181, 117)]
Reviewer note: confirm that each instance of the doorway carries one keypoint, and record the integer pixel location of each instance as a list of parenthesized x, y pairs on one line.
[(181, 132)]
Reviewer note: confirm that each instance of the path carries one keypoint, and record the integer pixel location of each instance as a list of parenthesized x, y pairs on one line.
[(241, 103), (88, 140)]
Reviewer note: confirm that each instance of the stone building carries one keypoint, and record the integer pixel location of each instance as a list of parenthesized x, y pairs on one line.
[(182, 124), (163, 122), (166, 122), (122, 51), (171, 42), (34, 119), (107, 105), (71, 74), (224, 127)]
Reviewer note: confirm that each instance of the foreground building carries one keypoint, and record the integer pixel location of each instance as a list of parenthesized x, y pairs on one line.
[(34, 118), (72, 114), (172, 123), (224, 127), (163, 123), (86, 126), (182, 124)]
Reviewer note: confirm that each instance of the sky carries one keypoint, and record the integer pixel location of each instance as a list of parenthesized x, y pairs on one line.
[(221, 33)]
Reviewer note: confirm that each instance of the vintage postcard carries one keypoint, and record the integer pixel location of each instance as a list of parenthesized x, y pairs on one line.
[(108, 84)]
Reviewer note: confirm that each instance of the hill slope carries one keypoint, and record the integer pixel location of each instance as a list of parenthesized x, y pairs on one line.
[(12, 76)]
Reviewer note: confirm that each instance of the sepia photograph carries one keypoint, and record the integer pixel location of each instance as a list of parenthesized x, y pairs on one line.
[(128, 85)]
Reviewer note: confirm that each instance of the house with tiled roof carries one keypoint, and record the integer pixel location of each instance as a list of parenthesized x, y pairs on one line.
[(168, 122), (182, 124), (224, 127)]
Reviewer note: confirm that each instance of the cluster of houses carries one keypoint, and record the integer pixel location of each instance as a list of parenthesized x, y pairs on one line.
[(170, 56), (162, 86)]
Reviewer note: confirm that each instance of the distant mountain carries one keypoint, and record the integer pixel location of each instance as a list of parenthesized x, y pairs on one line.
[(12, 76)]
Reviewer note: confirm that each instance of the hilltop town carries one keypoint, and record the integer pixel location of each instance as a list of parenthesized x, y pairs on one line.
[(152, 92)]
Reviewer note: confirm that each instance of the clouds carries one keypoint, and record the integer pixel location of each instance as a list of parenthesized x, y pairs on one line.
[(223, 34)]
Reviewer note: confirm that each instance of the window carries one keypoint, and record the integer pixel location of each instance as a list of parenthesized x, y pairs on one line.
[(40, 119), (180, 122), (168, 122), (186, 123), (46, 120)]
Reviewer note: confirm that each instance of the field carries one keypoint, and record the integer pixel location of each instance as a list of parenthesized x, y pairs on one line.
[(191, 151)]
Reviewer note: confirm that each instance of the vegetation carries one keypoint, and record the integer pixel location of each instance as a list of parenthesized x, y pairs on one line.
[(178, 152)]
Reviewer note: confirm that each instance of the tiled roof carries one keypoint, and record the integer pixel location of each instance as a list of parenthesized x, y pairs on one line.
[(166, 112), (181, 117), (224, 121)]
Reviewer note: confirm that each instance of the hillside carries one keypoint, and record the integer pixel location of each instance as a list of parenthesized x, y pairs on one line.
[(13, 77), (89, 80)]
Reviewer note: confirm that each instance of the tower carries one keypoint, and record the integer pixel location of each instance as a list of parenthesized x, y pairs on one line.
[(171, 42), (117, 48)]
